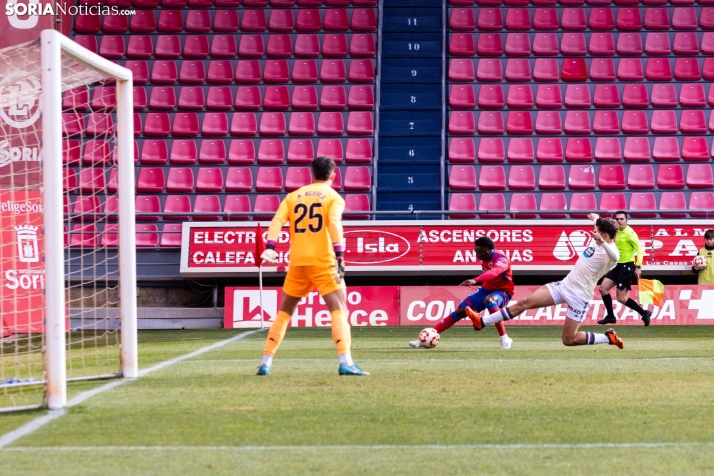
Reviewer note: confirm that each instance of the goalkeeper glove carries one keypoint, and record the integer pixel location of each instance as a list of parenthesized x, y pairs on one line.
[(270, 255), (339, 270)]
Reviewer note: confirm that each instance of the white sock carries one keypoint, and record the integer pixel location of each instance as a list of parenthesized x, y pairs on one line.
[(493, 318), (267, 360), (601, 339), (346, 359), (504, 337)]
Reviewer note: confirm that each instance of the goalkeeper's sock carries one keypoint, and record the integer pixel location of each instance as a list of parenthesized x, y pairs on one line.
[(592, 338), (276, 332), (444, 324), (267, 360), (346, 359), (501, 328), (341, 332), (632, 304)]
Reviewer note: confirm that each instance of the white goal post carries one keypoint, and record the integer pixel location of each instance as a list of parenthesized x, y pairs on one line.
[(54, 46)]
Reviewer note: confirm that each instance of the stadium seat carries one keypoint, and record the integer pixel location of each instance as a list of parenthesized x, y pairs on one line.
[(168, 46), (170, 21), (150, 180), (520, 96), (573, 19), (521, 204), (551, 177), (488, 123), (144, 204), (635, 96), (606, 122), (663, 122), (236, 206), (92, 180), (582, 177), (492, 178), (643, 205), (356, 202), (670, 176), (602, 69), (83, 236), (360, 123), (241, 152), (657, 44), (634, 122), (462, 202), (665, 149), (332, 71), (692, 95), (207, 204), (518, 44), (87, 41), (518, 19), (269, 179), (521, 177), (630, 70), (330, 123), (640, 177), (462, 97), (334, 46), (71, 152), (462, 19), (573, 44), (673, 201), (265, 206), (546, 70), (548, 97), (209, 179), (549, 150), (703, 201), (519, 122), (96, 152), (686, 69), (143, 22), (112, 47), (546, 44), (362, 46), (363, 19), (629, 19), (582, 201), (664, 95), (462, 177), (490, 204), (548, 122), (656, 19), (462, 123), (603, 44), (489, 44), (271, 152), (658, 69), (518, 70), (489, 19), (695, 149), (520, 150), (578, 150), (279, 46), (462, 44), (253, 21), (297, 177), (176, 204), (708, 43), (684, 18), (577, 122), (463, 150), (686, 44), (552, 202), (183, 152), (180, 179), (545, 19), (577, 96), (250, 46), (192, 99), (357, 179), (637, 149), (489, 70), (700, 176), (692, 122), (221, 71), (69, 180), (601, 19), (76, 99), (330, 148), (358, 151), (461, 70), (87, 208), (613, 201), (336, 19), (199, 21), (239, 179), (607, 149), (491, 97), (491, 151), (307, 46), (99, 123), (300, 151)]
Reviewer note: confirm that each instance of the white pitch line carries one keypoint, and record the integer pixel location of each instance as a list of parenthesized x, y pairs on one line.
[(446, 359), (30, 427), (484, 446)]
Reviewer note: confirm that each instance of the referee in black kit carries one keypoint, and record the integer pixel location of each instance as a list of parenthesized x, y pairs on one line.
[(625, 273)]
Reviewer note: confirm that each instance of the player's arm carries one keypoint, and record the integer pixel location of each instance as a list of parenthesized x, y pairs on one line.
[(276, 224), (335, 230), (499, 267), (611, 250)]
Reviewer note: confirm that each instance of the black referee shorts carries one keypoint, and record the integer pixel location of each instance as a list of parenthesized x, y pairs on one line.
[(623, 274)]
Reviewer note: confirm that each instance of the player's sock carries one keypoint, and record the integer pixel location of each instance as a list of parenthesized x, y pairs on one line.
[(341, 332), (503, 315), (607, 300), (592, 338), (267, 360), (276, 332), (444, 324), (501, 328), (632, 304), (346, 359)]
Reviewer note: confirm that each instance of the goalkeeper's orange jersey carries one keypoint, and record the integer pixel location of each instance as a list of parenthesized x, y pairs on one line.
[(315, 215)]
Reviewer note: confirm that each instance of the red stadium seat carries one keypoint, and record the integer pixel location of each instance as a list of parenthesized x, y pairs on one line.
[(657, 44), (214, 124), (170, 21), (151, 180), (336, 19), (518, 44), (641, 177), (546, 70), (236, 206), (276, 71), (462, 122), (519, 122), (112, 47), (269, 179), (635, 95), (300, 152), (613, 201), (488, 123), (76, 99), (96, 152), (92, 180), (492, 178), (363, 19), (305, 98), (643, 205), (180, 179), (360, 123), (670, 176), (548, 122), (334, 46), (212, 152), (83, 236), (462, 177), (521, 177), (489, 19), (489, 44), (489, 70), (307, 46), (87, 41), (463, 150), (686, 69), (69, 180), (462, 97), (143, 22), (358, 151), (519, 150), (362, 46), (99, 123), (277, 98), (552, 202), (330, 124), (686, 44), (209, 179), (549, 150), (695, 149), (700, 176), (199, 21), (601, 19), (490, 204), (578, 150), (546, 44), (142, 204), (332, 71), (462, 19), (239, 179), (183, 152), (520, 96), (207, 204), (308, 20), (271, 152), (708, 43), (577, 96), (219, 98), (461, 70), (663, 122), (186, 124), (545, 19), (573, 19), (241, 152), (664, 95), (518, 19), (521, 204), (665, 149), (491, 97), (684, 18), (656, 19), (703, 201), (71, 152), (658, 69), (692, 122), (549, 97), (573, 44), (606, 122), (634, 122), (489, 150), (357, 179), (637, 149), (603, 44), (607, 149), (582, 201), (301, 124), (630, 70), (673, 201), (602, 69), (462, 44), (611, 177), (356, 203), (331, 148), (551, 177), (577, 122), (305, 71), (692, 95), (629, 19), (581, 177), (462, 202), (266, 206), (333, 98), (518, 70), (280, 21)]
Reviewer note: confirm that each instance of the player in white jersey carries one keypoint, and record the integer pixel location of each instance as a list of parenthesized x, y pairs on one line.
[(576, 290)]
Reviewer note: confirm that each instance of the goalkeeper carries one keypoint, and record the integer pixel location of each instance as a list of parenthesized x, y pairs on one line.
[(316, 261)]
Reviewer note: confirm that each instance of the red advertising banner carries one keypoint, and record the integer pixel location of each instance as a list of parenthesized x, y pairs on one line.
[(684, 305), (212, 249), (368, 306), (21, 265)]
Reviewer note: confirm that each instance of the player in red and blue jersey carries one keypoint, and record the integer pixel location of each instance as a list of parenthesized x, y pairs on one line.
[(494, 294)]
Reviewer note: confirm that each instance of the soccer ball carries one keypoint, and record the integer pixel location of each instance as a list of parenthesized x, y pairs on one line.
[(700, 262), (429, 337)]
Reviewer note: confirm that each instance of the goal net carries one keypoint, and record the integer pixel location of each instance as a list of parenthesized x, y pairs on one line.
[(67, 243)]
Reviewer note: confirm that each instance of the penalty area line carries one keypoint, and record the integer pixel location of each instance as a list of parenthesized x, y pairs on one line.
[(484, 446), (33, 425)]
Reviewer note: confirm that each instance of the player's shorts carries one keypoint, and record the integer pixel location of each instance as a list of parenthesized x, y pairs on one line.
[(623, 274), (477, 300), (300, 280), (577, 306)]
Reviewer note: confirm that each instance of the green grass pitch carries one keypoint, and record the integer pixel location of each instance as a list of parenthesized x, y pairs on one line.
[(465, 407)]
